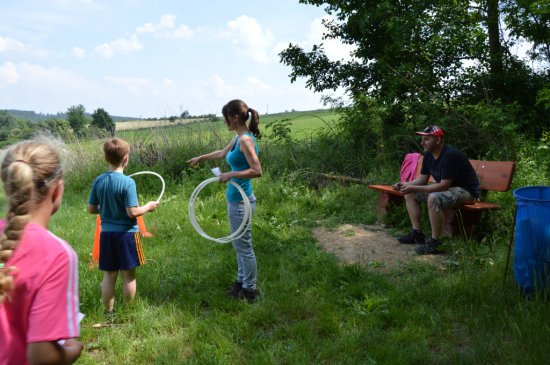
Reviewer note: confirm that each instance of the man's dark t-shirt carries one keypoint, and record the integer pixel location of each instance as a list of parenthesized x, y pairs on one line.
[(452, 164)]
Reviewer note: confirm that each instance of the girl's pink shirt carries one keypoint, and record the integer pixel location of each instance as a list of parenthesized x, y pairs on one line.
[(44, 303)]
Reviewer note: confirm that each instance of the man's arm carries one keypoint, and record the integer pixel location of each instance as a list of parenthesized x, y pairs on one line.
[(430, 188)]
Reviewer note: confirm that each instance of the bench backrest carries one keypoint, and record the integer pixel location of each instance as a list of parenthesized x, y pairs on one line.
[(493, 175)]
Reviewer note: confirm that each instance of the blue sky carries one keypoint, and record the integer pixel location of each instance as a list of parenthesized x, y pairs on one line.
[(143, 58)]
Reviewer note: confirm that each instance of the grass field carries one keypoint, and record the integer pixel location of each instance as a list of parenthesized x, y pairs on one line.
[(303, 125), (313, 309)]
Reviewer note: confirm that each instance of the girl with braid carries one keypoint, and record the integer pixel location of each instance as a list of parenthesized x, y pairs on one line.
[(38, 271)]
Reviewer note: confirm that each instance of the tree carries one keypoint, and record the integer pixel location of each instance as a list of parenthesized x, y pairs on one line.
[(7, 123), (102, 120), (406, 49), (77, 119)]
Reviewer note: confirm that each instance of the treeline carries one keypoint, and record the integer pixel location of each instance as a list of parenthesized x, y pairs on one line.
[(76, 124), (35, 117)]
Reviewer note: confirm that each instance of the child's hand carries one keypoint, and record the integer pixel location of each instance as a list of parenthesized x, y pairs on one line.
[(72, 349), (152, 206)]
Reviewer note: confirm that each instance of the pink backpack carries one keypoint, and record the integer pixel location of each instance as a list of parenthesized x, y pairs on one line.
[(408, 167)]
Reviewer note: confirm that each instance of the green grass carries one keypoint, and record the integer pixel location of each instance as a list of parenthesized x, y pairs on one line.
[(312, 309)]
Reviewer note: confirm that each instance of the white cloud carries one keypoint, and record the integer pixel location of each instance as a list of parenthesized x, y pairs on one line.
[(122, 45), (8, 72), (334, 49), (249, 38), (258, 84), (166, 28), (9, 44), (78, 52)]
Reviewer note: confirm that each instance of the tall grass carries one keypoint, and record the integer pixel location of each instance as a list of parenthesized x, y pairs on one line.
[(312, 310)]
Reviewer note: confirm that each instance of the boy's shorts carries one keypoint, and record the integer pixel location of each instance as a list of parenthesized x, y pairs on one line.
[(451, 198), (120, 251)]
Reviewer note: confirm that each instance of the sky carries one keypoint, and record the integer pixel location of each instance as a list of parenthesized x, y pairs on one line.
[(148, 59)]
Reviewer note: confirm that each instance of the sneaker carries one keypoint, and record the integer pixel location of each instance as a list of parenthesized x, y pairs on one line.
[(235, 289), (250, 295), (109, 316), (429, 248), (412, 237)]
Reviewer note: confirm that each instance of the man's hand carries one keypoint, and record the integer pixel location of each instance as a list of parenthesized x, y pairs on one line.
[(397, 186)]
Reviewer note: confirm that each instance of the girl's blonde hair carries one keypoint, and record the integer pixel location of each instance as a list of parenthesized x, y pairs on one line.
[(28, 169)]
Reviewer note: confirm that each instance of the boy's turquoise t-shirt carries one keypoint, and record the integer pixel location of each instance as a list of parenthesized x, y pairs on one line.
[(113, 192), (237, 161)]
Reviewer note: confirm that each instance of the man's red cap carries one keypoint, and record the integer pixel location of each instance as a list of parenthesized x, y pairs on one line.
[(432, 130)]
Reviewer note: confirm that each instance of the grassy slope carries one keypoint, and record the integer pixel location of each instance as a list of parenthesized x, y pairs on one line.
[(312, 310)]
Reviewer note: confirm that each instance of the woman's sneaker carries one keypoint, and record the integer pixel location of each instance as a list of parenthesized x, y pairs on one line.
[(250, 295), (412, 238), (235, 289)]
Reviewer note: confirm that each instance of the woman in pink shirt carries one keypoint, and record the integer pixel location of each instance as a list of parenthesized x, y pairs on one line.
[(38, 271)]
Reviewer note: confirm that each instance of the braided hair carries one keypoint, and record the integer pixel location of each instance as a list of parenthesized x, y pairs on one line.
[(27, 171)]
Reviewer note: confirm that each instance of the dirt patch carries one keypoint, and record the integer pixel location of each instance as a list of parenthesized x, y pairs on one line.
[(370, 246)]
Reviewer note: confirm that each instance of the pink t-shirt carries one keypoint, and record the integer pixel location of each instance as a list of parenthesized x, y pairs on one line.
[(44, 303)]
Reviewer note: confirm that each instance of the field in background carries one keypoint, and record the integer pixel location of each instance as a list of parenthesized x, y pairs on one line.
[(145, 124), (303, 125)]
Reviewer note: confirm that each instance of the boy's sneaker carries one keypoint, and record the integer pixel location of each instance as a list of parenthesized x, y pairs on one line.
[(235, 289), (412, 238), (250, 295), (429, 248)]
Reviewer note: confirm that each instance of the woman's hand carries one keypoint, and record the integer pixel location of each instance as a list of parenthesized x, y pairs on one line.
[(225, 177), (194, 160)]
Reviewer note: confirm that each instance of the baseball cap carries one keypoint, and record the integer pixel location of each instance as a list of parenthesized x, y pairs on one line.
[(432, 130)]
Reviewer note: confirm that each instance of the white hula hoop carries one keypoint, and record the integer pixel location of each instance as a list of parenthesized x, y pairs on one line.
[(152, 173), (245, 224)]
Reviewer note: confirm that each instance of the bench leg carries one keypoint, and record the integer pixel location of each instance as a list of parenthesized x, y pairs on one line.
[(385, 203), (458, 222)]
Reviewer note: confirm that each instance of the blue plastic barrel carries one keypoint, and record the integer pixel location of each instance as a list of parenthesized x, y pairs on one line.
[(532, 244)]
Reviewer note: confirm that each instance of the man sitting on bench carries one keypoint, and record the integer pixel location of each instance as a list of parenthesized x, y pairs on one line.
[(456, 183)]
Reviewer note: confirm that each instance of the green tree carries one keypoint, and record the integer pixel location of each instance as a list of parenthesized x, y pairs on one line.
[(58, 127), (103, 121), (76, 116), (407, 49), (7, 122)]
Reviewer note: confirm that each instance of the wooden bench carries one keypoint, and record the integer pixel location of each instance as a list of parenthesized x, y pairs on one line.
[(493, 176)]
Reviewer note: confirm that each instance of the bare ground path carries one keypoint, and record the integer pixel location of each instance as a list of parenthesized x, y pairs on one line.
[(370, 246)]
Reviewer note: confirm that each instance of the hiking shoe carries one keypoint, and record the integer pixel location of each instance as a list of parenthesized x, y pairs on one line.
[(429, 248), (235, 289), (250, 295), (412, 238)]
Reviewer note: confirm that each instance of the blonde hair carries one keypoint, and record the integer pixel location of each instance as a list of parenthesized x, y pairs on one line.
[(27, 171)]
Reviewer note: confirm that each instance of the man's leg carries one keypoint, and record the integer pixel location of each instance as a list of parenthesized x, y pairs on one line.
[(437, 216), (129, 285), (415, 211), (108, 289)]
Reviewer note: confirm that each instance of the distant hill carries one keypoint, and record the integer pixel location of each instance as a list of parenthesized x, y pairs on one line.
[(39, 117)]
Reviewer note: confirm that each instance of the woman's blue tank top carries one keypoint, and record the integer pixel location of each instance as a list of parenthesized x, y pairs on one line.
[(237, 161)]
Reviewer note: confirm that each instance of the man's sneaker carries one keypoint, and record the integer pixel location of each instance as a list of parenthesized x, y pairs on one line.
[(412, 237), (429, 248), (250, 295), (235, 289)]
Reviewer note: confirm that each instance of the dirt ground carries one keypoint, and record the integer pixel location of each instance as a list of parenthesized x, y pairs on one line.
[(370, 246)]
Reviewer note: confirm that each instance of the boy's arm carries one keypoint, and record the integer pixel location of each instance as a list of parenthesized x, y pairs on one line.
[(93, 209), (134, 212)]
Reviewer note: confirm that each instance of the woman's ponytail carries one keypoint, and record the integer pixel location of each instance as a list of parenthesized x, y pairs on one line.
[(253, 125)]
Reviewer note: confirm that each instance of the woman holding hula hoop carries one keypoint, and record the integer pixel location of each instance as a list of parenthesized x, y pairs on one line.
[(242, 156)]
